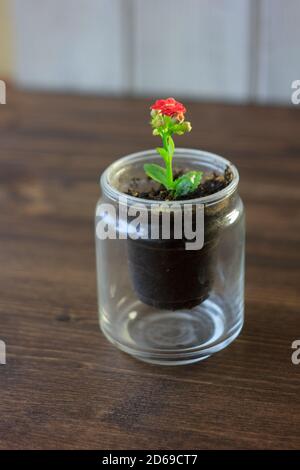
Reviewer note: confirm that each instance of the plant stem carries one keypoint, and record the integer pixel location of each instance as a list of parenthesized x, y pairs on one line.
[(169, 173), (168, 161)]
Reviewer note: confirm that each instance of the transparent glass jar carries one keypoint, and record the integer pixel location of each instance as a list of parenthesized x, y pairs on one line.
[(158, 301)]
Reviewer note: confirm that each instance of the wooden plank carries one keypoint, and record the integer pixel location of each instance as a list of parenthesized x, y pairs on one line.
[(278, 50), (193, 48), (70, 45), (6, 65), (226, 50)]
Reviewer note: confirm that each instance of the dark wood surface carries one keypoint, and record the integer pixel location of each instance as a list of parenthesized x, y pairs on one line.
[(64, 386)]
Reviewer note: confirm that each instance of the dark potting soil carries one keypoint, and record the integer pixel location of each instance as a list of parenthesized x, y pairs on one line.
[(211, 183), (164, 274)]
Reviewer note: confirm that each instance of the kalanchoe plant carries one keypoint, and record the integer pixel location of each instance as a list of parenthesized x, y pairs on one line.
[(167, 118)]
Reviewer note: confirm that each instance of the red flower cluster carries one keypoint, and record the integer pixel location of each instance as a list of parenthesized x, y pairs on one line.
[(170, 107)]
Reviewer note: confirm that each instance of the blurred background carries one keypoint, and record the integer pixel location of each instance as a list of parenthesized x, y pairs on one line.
[(225, 50)]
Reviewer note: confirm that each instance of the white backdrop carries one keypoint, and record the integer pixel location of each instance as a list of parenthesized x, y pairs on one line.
[(236, 50)]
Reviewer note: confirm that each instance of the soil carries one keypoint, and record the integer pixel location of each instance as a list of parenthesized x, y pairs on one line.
[(211, 183), (164, 274)]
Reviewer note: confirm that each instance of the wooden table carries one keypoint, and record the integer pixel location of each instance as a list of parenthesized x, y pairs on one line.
[(64, 386)]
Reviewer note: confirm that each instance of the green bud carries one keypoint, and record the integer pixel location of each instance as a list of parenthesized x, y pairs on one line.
[(186, 126), (183, 127), (157, 121)]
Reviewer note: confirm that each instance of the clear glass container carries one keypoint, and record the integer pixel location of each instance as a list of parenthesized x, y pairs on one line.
[(158, 301)]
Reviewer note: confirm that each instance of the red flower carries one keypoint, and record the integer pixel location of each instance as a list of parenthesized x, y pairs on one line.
[(170, 107)]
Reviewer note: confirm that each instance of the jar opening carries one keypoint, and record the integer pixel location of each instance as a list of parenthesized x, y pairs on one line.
[(118, 174)]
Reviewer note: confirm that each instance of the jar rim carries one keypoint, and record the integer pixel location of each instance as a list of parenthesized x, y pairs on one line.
[(208, 157)]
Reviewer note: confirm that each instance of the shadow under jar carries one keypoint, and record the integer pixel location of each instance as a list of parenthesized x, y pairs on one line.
[(158, 301)]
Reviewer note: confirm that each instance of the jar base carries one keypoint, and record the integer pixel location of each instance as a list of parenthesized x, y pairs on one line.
[(173, 337)]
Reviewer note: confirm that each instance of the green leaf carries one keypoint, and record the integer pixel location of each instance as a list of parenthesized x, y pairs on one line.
[(156, 172), (171, 146), (162, 152), (187, 183)]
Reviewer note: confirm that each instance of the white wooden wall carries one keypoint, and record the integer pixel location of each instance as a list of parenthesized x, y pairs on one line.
[(279, 49), (213, 49)]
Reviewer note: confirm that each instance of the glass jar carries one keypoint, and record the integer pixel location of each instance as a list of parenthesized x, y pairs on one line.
[(159, 301)]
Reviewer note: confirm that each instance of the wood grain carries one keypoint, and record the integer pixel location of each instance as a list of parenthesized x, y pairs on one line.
[(64, 386)]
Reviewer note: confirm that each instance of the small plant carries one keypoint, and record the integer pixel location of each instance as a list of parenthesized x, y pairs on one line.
[(167, 118)]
